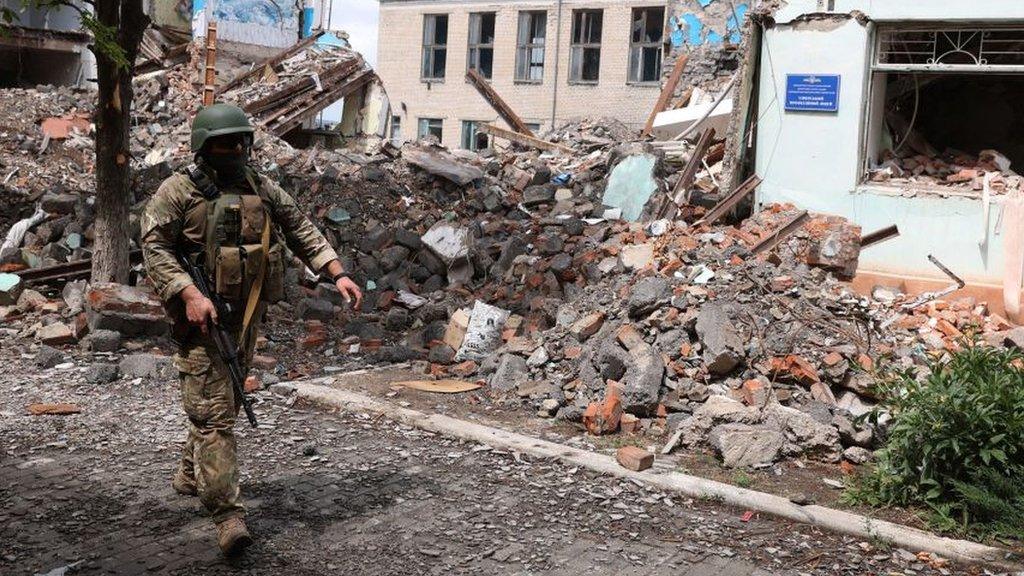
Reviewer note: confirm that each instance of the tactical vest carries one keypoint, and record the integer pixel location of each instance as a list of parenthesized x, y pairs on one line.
[(240, 250)]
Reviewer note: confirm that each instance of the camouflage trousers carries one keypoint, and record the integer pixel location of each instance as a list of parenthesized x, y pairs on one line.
[(209, 458)]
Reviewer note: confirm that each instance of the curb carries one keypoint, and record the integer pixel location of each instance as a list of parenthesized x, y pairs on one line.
[(912, 539)]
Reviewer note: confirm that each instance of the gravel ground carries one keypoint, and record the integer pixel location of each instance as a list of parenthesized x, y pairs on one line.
[(336, 493)]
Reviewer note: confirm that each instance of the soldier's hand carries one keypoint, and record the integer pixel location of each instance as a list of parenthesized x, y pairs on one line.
[(349, 290), (198, 308)]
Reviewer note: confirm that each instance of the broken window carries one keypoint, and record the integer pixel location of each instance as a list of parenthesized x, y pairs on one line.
[(430, 127), (396, 130), (472, 137), (533, 127), (481, 43), (530, 46), (435, 46), (645, 44), (945, 109), (585, 55)]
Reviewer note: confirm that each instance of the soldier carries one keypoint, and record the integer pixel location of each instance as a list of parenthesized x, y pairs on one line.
[(238, 222)]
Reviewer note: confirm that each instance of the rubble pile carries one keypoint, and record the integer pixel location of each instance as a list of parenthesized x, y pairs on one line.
[(555, 277), (953, 169)]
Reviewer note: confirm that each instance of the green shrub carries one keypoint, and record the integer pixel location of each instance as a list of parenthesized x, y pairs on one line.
[(956, 443)]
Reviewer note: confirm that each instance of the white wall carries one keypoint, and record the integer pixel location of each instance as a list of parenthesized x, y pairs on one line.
[(814, 159)]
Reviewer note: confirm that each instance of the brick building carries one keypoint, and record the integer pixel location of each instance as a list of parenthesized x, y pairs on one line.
[(550, 60)]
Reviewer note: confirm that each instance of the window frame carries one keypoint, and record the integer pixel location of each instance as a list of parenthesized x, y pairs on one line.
[(433, 48), (422, 121), (634, 76), (396, 130), (578, 49), (471, 125), (477, 48), (525, 50)]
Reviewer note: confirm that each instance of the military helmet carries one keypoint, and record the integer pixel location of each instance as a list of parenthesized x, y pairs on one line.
[(218, 120)]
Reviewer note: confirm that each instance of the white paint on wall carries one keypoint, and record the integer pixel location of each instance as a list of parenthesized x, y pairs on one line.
[(815, 160)]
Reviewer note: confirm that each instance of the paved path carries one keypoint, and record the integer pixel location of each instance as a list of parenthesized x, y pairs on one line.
[(345, 494)]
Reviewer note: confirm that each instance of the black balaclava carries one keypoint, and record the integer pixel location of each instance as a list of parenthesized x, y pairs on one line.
[(227, 155)]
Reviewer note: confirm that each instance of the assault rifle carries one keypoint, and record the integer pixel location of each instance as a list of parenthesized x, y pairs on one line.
[(226, 345)]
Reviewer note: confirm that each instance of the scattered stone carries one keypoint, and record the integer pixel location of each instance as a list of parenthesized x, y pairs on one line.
[(315, 309), (48, 357), (145, 365), (512, 371), (101, 373), (11, 287), (743, 445), (722, 344), (55, 334), (102, 341)]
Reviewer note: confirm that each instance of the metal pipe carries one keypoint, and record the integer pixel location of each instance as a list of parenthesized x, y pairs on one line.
[(558, 46)]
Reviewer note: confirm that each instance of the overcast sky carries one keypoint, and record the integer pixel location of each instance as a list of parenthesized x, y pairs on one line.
[(359, 19)]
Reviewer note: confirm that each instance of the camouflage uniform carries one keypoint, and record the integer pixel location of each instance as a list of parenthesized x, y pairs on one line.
[(175, 219)]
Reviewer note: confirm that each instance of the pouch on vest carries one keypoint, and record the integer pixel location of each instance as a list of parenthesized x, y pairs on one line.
[(229, 272), (273, 284)]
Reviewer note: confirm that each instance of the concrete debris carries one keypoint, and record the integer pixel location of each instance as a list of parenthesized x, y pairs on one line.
[(746, 446), (483, 334), (439, 162), (133, 311)]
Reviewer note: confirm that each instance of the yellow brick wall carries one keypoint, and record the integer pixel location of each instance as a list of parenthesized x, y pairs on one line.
[(454, 100)]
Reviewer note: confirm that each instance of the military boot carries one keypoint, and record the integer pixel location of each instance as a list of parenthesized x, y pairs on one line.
[(183, 485), (232, 536)]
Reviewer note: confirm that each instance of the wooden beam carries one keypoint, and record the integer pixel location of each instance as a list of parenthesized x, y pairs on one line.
[(772, 240), (300, 114), (523, 139), (879, 236), (296, 87), (272, 61), (690, 170), (210, 78), (667, 91), (499, 105), (730, 201)]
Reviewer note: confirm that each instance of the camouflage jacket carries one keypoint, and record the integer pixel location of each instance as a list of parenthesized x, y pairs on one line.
[(175, 217)]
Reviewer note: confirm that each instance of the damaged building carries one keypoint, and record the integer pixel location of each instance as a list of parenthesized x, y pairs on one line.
[(44, 46), (898, 113)]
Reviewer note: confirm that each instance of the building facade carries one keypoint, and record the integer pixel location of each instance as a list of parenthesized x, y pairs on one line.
[(954, 73), (550, 60), (46, 45)]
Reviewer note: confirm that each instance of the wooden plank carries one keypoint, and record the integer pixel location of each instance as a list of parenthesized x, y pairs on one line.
[(730, 201), (784, 231), (496, 102), (667, 91), (350, 85), (210, 78), (690, 171), (523, 139), (272, 61), (296, 87)]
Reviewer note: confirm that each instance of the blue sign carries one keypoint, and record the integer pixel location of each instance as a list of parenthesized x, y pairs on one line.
[(812, 92)]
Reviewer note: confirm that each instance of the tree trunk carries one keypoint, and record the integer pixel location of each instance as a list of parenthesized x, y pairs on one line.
[(113, 120)]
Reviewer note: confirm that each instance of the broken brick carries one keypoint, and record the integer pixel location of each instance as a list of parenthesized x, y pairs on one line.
[(587, 326), (795, 368), (634, 458)]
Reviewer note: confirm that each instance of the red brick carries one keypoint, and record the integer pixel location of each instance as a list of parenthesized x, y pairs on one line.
[(832, 358), (794, 367), (464, 368), (634, 458), (587, 326), (629, 424), (264, 362)]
